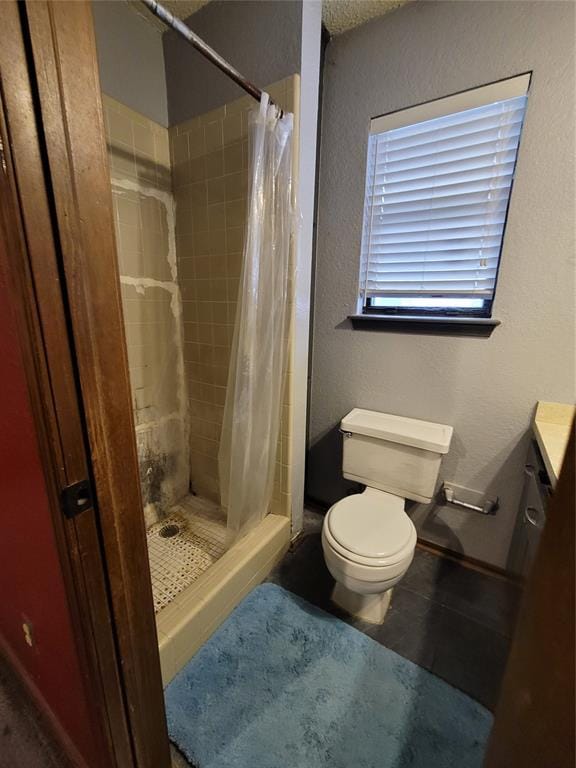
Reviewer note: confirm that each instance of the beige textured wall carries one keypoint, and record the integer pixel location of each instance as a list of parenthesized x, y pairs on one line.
[(145, 223), (209, 156)]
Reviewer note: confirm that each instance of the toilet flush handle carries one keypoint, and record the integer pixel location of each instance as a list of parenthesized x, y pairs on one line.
[(344, 433)]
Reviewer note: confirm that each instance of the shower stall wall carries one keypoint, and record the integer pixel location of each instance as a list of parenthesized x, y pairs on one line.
[(209, 157), (180, 212), (145, 222), (141, 179)]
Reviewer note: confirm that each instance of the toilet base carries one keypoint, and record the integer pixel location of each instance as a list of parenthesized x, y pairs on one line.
[(370, 608)]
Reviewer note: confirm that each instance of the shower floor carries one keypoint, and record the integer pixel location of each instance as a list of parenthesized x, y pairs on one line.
[(183, 545)]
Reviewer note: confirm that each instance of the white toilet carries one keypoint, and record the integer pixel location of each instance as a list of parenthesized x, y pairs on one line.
[(368, 539)]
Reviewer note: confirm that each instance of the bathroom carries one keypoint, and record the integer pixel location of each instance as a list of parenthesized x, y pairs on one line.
[(336, 511)]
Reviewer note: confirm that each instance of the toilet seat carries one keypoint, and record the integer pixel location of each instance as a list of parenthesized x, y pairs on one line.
[(370, 529)]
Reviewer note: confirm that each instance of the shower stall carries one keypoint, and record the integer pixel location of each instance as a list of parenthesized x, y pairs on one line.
[(181, 197)]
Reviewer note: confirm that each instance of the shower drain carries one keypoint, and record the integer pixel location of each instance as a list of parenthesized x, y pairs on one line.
[(167, 531), (181, 548)]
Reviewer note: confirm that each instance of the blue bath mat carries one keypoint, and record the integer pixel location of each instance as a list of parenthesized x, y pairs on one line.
[(282, 684)]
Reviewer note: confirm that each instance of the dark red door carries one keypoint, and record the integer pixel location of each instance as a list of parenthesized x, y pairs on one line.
[(31, 580)]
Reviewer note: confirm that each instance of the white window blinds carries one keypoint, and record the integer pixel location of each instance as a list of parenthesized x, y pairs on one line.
[(437, 192)]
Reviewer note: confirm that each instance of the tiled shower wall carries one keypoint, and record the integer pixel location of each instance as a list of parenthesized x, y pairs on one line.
[(179, 272), (209, 156), (144, 219)]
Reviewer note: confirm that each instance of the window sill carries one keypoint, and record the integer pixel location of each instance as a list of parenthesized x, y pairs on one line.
[(440, 326)]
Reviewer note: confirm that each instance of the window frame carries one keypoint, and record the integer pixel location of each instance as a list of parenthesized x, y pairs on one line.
[(481, 95), (484, 311)]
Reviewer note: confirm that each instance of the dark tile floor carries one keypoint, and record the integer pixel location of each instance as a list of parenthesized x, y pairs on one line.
[(453, 621), (450, 619)]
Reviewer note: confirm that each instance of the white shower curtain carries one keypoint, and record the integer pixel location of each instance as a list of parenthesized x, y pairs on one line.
[(246, 460)]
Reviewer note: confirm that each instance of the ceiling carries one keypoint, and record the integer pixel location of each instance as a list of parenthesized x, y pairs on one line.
[(338, 15), (341, 15)]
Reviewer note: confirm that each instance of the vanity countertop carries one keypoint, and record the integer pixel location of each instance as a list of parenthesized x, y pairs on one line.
[(552, 422)]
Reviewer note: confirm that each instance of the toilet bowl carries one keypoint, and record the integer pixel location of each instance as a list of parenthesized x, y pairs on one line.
[(368, 542), (367, 538)]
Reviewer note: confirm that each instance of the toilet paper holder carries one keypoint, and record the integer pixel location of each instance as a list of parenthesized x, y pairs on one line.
[(490, 506)]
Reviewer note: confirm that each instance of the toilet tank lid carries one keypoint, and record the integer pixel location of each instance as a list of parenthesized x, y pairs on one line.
[(399, 429)]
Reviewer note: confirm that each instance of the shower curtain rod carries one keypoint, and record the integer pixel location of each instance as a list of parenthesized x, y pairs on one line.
[(209, 53)]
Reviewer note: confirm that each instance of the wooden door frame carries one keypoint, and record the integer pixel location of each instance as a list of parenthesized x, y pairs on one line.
[(14, 260), (29, 255), (59, 233)]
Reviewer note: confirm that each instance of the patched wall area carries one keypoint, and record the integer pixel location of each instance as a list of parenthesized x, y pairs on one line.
[(210, 170), (145, 235)]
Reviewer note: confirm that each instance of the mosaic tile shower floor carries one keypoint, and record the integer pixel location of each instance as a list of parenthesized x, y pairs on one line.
[(183, 545)]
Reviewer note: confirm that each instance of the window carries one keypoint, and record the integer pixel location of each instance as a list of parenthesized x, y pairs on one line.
[(438, 184)]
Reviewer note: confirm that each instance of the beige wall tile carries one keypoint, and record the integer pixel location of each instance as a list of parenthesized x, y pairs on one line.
[(129, 238), (236, 213), (187, 126), (213, 136), (232, 129), (235, 186), (144, 140), (197, 142), (162, 149), (215, 115), (197, 169), (200, 218), (198, 196), (128, 209), (233, 157), (179, 145), (120, 128), (234, 239), (123, 164), (215, 190), (217, 216), (214, 163)]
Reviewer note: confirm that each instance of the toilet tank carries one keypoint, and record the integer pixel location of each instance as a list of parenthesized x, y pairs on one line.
[(393, 453)]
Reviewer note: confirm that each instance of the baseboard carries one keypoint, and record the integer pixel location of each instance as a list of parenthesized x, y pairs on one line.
[(45, 713), (316, 504), (468, 562)]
